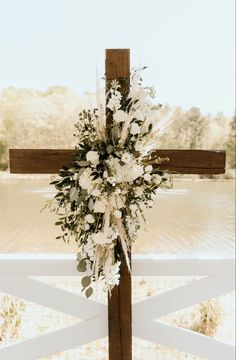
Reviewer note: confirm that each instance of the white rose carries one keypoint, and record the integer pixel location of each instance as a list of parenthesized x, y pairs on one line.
[(126, 157), (96, 192), (120, 116), (89, 219), (92, 156), (148, 168), (99, 207), (135, 129), (147, 177), (118, 214)]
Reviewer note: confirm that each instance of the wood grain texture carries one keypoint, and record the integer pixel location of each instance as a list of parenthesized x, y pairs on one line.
[(120, 301), (33, 161)]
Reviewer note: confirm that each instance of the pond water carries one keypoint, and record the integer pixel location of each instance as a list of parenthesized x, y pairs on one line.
[(195, 217)]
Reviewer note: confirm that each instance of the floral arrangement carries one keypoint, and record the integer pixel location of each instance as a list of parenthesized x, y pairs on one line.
[(101, 199)]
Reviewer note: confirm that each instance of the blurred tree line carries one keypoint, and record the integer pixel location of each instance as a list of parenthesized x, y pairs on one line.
[(34, 119)]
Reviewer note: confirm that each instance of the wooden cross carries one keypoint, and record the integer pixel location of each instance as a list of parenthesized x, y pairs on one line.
[(181, 161)]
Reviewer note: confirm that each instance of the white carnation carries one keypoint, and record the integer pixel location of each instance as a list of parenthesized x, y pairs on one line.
[(92, 156), (134, 129)]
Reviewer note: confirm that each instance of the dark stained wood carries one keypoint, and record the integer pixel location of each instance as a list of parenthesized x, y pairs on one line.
[(23, 161), (35, 161), (120, 301), (117, 65), (191, 161)]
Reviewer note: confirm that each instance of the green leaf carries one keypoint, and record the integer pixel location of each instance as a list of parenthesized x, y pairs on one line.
[(54, 182), (90, 204), (83, 163), (89, 292), (58, 194), (73, 194), (86, 281), (58, 222), (82, 266)]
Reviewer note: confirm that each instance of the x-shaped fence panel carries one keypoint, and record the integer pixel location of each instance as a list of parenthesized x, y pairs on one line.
[(16, 272)]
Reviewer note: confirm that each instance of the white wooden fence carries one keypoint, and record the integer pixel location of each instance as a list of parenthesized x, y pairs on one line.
[(15, 279)]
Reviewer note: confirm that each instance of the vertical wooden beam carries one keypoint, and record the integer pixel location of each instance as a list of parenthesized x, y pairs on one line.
[(120, 302)]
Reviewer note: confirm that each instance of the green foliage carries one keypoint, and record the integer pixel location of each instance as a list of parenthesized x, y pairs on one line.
[(230, 145), (3, 155)]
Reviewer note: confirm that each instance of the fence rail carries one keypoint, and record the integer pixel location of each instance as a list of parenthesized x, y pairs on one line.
[(17, 270)]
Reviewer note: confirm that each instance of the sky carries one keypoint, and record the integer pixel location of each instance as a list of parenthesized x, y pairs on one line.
[(187, 45)]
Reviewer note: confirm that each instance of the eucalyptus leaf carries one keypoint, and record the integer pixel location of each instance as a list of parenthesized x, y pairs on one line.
[(83, 163), (89, 292), (82, 266), (86, 281), (73, 194), (90, 204)]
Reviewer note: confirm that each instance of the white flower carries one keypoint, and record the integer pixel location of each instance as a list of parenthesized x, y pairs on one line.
[(114, 102), (105, 174), (118, 214), (134, 129), (111, 180), (137, 171), (92, 156), (125, 173), (89, 219), (100, 206), (138, 191), (126, 157), (111, 273), (147, 177), (148, 168), (120, 116), (157, 179), (85, 180), (96, 192), (100, 238), (133, 207)]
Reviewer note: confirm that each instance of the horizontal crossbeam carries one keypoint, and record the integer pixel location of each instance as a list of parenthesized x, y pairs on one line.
[(37, 161)]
